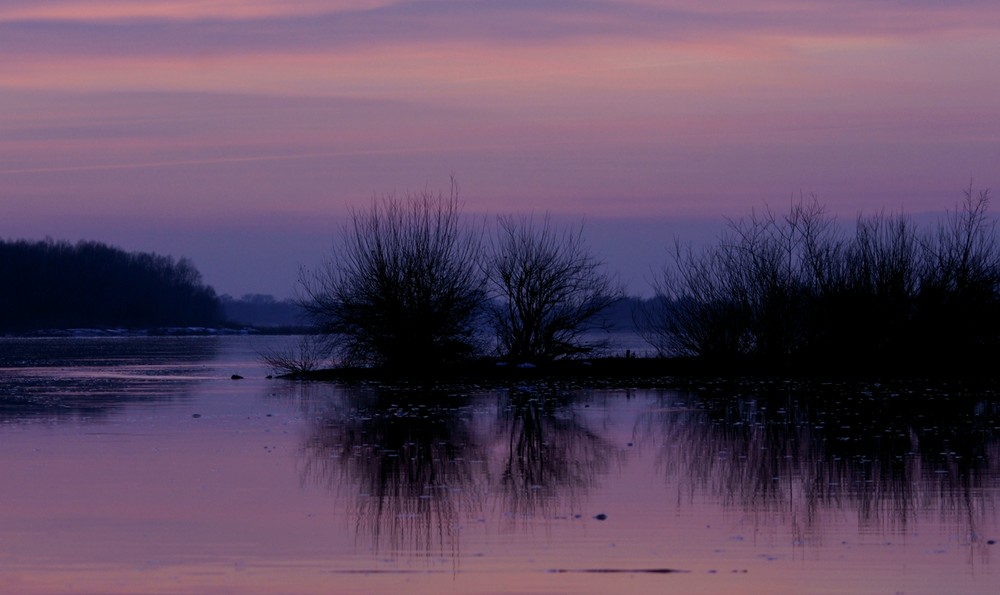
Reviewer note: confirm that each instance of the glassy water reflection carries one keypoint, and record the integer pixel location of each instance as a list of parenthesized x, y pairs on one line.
[(884, 457), (419, 463), (265, 485)]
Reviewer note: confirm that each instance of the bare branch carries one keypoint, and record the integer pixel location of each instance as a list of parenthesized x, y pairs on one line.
[(548, 288)]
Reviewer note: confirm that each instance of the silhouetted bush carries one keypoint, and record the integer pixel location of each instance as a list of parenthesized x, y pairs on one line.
[(798, 291), (404, 288), (411, 287), (958, 305), (548, 290), (54, 285), (747, 295), (307, 355)]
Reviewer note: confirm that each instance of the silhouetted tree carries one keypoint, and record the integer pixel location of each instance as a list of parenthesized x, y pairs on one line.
[(549, 290), (404, 288)]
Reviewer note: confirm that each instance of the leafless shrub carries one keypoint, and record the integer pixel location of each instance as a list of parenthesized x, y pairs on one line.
[(963, 255), (959, 301), (308, 355), (404, 287), (739, 297), (794, 289), (549, 290)]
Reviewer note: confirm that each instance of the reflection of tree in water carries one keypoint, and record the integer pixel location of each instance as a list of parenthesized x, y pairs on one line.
[(412, 459), (887, 454), (548, 457), (423, 463)]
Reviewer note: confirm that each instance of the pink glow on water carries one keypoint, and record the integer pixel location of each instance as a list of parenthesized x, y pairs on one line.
[(179, 479)]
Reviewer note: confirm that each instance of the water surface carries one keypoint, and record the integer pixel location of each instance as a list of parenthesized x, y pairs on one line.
[(138, 465)]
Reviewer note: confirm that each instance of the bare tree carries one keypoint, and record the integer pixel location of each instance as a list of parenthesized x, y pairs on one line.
[(747, 294), (548, 290), (700, 308), (310, 352), (404, 288), (962, 255)]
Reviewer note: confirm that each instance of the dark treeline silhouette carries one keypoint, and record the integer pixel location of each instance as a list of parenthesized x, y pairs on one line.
[(58, 285), (798, 292)]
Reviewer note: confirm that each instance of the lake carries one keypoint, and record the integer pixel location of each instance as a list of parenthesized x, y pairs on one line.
[(137, 465)]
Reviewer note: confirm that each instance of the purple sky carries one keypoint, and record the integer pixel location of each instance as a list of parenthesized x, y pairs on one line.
[(239, 132)]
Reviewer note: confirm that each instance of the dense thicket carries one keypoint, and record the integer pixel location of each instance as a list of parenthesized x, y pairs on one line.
[(50, 284), (797, 291)]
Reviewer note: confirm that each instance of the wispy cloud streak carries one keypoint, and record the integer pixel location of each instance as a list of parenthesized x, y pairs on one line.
[(199, 29), (203, 161)]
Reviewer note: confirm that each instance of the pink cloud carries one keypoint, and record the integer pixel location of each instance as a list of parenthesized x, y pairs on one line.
[(184, 10)]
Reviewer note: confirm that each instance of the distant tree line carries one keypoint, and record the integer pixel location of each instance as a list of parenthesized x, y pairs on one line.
[(800, 292), (49, 285), (263, 311)]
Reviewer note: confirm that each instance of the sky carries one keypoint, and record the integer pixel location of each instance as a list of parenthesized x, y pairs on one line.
[(240, 133)]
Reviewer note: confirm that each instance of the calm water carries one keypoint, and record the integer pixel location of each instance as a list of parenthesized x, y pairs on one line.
[(137, 465)]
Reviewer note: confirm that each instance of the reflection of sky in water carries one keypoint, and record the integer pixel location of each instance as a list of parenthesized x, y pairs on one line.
[(196, 480), (93, 375)]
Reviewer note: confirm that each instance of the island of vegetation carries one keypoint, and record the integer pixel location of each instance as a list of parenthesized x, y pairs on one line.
[(410, 290)]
